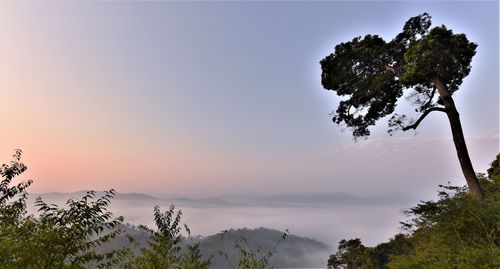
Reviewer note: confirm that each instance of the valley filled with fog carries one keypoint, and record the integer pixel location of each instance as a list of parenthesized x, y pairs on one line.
[(326, 217)]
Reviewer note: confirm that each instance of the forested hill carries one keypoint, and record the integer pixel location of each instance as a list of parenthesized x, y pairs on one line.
[(291, 252)]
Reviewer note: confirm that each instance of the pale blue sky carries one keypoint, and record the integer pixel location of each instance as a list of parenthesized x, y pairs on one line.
[(210, 98)]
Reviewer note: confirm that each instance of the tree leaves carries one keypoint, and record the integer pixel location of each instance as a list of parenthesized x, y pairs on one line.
[(373, 74), (72, 236)]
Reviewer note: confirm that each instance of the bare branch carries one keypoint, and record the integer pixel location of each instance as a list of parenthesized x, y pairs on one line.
[(431, 96), (417, 122), (390, 68)]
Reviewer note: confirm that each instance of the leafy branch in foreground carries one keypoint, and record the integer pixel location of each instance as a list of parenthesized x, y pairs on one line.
[(165, 248), (72, 236), (12, 210), (456, 231), (59, 237)]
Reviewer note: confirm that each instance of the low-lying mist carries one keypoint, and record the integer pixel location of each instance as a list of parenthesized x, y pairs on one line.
[(325, 217)]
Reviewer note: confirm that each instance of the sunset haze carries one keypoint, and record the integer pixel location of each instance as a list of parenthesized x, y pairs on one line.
[(223, 98)]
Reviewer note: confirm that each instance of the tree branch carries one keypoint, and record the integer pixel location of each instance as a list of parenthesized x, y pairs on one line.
[(426, 105), (416, 123), (390, 68)]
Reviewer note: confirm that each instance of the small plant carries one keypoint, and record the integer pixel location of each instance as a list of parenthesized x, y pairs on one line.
[(251, 257), (165, 246), (12, 210)]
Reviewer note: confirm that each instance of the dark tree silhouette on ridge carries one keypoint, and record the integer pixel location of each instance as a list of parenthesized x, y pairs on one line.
[(427, 64)]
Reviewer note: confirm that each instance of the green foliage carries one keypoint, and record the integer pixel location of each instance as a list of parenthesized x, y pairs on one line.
[(439, 53), (456, 231), (165, 249), (63, 238), (12, 224), (494, 171), (348, 256), (353, 254), (59, 238), (70, 237), (374, 74), (251, 257), (10, 211), (79, 235)]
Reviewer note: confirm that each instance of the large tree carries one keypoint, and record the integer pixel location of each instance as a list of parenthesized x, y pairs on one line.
[(427, 65)]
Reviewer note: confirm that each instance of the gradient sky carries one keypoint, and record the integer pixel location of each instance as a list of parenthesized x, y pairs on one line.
[(215, 98)]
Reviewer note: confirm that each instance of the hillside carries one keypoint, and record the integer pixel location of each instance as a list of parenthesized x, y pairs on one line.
[(293, 252)]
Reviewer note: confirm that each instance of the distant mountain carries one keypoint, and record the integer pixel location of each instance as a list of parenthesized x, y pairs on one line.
[(310, 199), (204, 202), (79, 194), (285, 200), (59, 195), (328, 199), (135, 196)]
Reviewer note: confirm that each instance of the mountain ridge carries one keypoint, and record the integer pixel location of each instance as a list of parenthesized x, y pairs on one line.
[(279, 200)]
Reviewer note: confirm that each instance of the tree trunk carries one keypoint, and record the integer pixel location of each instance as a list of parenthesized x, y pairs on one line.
[(459, 140)]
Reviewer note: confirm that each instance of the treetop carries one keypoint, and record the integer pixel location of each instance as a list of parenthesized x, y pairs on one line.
[(373, 73)]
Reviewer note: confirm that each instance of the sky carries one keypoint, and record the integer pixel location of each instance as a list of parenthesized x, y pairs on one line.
[(223, 98)]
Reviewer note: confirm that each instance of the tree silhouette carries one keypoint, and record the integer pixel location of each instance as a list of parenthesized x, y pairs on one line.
[(427, 64)]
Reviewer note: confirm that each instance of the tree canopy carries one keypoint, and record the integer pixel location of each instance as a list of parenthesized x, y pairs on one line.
[(374, 73), (427, 65)]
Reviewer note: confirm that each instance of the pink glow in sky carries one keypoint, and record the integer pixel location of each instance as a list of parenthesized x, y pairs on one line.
[(220, 98)]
